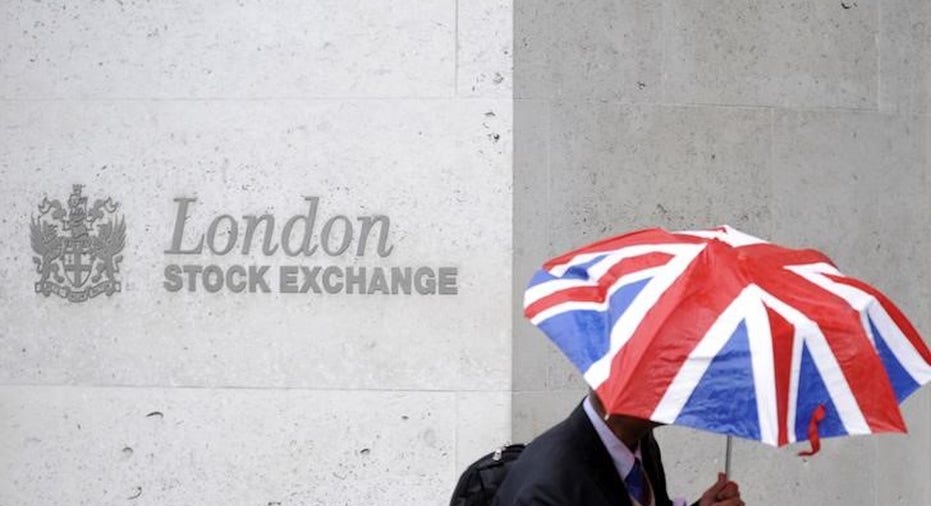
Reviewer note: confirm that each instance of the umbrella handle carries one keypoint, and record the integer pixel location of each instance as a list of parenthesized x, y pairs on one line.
[(727, 458)]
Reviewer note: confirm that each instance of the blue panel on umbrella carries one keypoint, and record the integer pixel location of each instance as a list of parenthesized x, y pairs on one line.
[(585, 336), (902, 381), (579, 271), (724, 400), (811, 393), (541, 276)]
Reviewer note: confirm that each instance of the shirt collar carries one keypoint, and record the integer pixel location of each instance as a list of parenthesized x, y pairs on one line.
[(621, 455)]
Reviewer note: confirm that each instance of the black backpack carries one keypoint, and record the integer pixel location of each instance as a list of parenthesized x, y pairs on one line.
[(480, 481)]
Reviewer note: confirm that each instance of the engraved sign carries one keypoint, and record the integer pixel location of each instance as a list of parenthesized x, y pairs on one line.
[(78, 248), (322, 256)]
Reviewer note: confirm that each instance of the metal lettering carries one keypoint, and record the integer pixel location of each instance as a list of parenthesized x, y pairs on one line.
[(257, 278), (252, 222), (357, 280), (298, 237), (287, 279), (367, 223), (328, 275), (310, 279), (232, 236), (308, 230), (173, 281), (192, 272), (424, 281), (234, 285), (447, 280), (401, 279), (178, 235), (346, 239), (214, 285), (378, 282)]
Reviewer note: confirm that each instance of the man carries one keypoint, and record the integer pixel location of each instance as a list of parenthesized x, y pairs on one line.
[(593, 460)]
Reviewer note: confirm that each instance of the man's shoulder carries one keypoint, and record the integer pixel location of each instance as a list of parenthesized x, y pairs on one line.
[(553, 468), (571, 437)]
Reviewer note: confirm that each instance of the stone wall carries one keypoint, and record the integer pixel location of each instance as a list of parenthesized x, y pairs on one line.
[(803, 122), (368, 141)]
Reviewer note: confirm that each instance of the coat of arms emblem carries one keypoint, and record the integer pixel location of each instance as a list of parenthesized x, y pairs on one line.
[(78, 248)]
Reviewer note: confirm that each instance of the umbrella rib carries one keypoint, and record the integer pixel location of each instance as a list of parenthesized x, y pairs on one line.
[(627, 324), (899, 345), (808, 333), (563, 307), (870, 308), (689, 375), (759, 337), (746, 307)]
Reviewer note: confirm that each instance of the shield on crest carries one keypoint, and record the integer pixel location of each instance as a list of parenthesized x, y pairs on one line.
[(77, 261)]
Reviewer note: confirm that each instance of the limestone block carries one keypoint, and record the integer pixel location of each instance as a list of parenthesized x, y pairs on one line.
[(535, 412), (249, 49), (692, 460), (905, 56), (437, 170), (616, 168), (808, 54), (856, 186), (902, 487), (560, 373), (485, 52), (531, 234), (483, 423), (150, 446), (843, 472), (531, 38), (603, 50)]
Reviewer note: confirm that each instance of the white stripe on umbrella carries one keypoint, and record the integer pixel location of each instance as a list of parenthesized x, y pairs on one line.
[(725, 234), (866, 304), (597, 270), (798, 342), (848, 409), (625, 326), (594, 306), (901, 347), (759, 336), (748, 308)]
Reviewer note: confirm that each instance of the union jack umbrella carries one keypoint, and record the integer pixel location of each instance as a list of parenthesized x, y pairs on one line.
[(722, 331)]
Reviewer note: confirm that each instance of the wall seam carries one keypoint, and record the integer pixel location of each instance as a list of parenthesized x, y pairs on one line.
[(879, 55), (456, 51)]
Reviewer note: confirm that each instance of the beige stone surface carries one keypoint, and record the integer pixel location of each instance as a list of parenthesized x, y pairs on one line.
[(249, 108), (154, 446), (786, 54), (485, 49), (248, 49), (603, 50), (856, 186), (531, 238), (905, 56), (805, 123)]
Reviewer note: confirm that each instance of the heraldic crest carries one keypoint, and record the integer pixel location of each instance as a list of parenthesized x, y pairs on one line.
[(78, 248)]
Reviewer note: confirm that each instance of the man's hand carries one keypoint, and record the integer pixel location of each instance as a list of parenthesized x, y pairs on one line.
[(722, 493)]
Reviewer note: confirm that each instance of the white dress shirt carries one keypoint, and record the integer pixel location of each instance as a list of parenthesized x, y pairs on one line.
[(621, 455)]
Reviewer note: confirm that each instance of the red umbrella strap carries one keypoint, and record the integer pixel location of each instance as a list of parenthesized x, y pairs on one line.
[(816, 417)]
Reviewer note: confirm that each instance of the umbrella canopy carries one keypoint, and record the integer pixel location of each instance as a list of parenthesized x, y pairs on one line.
[(722, 331)]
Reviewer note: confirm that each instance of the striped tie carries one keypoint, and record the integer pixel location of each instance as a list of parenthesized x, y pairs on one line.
[(637, 486)]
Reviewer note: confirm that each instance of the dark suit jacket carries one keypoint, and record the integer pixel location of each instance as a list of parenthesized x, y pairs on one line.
[(569, 465)]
